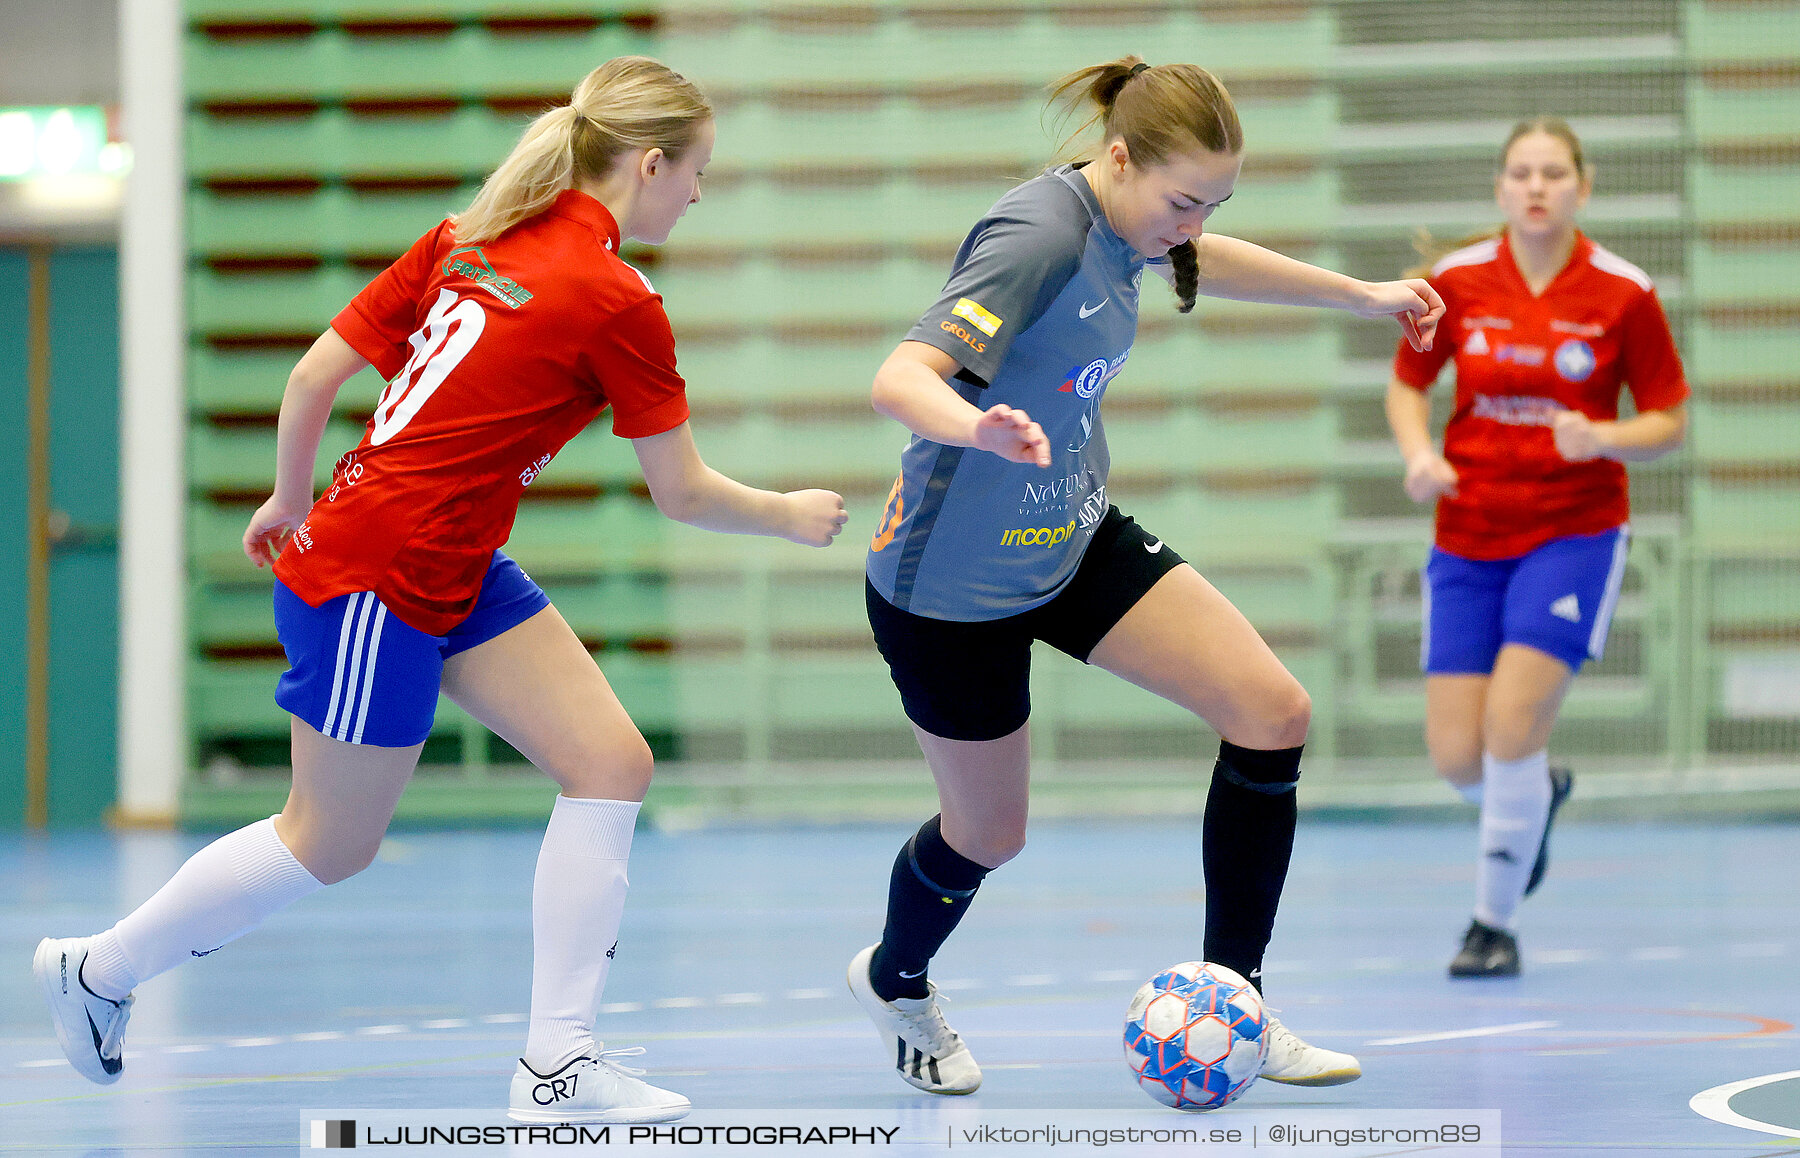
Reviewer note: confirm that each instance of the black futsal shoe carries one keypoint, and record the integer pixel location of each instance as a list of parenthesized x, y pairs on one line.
[(1562, 781), (1486, 952)]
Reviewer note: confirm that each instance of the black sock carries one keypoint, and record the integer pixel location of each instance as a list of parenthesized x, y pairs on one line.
[(928, 894), (1248, 838)]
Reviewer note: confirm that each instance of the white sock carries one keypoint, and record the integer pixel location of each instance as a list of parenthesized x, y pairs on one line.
[(1469, 792), (1514, 807), (577, 899), (223, 891)]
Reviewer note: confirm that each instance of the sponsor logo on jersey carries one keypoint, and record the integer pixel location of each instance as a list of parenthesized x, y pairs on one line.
[(969, 310), (1037, 536), (966, 336), (1579, 329), (1517, 409), (1520, 355), (1575, 360), (473, 264), (1056, 490), (347, 473), (1092, 510), (530, 473), (303, 539), (1487, 323), (1087, 380)]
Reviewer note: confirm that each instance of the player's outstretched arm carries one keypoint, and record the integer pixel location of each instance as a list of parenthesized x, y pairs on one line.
[(912, 387), (305, 408), (688, 491), (1241, 271)]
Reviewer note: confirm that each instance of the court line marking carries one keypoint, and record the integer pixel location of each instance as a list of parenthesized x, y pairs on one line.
[(1480, 1031), (1715, 1104)]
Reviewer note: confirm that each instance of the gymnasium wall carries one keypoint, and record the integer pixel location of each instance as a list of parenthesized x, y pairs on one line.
[(857, 143)]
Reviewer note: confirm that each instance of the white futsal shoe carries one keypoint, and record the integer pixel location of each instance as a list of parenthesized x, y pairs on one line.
[(593, 1090), (90, 1028), (1292, 1062), (926, 1051)]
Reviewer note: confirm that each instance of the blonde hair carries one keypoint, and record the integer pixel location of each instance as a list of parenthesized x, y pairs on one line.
[(630, 102), (1434, 251), (1158, 111)]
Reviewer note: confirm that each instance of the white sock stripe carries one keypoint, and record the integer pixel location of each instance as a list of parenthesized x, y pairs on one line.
[(368, 687), (353, 680), (1615, 579), (337, 676)]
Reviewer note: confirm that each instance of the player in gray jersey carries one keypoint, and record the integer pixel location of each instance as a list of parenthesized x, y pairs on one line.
[(999, 532)]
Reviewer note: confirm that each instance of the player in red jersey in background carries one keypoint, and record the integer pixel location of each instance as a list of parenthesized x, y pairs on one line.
[(1532, 523), (504, 331)]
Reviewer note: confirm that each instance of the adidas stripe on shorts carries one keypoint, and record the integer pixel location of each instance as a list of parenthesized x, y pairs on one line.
[(1558, 599), (358, 674)]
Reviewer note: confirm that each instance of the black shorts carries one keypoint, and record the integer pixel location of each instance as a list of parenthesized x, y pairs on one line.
[(972, 681)]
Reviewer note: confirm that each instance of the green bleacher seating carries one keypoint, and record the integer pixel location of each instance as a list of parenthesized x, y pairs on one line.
[(855, 150)]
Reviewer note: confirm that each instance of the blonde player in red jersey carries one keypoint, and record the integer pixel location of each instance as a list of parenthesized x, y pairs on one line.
[(1532, 524), (503, 332)]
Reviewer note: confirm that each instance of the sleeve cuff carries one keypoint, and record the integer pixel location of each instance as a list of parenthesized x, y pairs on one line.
[(365, 340), (659, 419)]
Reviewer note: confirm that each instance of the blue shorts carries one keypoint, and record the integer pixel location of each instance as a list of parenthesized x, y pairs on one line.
[(1558, 599), (356, 673)]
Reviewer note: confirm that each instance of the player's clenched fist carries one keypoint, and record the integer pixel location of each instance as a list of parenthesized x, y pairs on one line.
[(814, 517), (1429, 476), (1577, 437)]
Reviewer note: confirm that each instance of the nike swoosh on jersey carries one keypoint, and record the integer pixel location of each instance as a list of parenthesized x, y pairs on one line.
[(908, 976), (1153, 548), (1087, 312)]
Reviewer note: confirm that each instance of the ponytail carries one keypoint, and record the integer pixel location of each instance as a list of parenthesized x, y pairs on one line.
[(1186, 260), (628, 103), (1157, 110)]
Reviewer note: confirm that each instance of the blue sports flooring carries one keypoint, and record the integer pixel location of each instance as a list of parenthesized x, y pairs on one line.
[(1661, 961)]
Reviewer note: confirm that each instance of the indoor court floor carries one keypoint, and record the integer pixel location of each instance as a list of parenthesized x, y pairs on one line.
[(1661, 961)]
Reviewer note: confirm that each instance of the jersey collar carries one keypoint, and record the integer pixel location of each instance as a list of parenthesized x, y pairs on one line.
[(578, 206), (1071, 176), (1578, 257)]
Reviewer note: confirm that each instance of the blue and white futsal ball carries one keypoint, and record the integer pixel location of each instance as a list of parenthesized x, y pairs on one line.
[(1194, 1036)]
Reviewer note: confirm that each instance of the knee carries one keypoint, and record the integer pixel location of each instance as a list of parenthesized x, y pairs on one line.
[(329, 856), (999, 848), (989, 847), (1285, 717), (620, 771), (1511, 735), (344, 863), (1457, 760)]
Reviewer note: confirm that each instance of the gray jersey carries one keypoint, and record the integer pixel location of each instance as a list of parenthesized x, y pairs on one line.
[(1041, 310)]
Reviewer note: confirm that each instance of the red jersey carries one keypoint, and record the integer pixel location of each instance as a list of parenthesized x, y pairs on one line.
[(496, 355), (1519, 360)]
